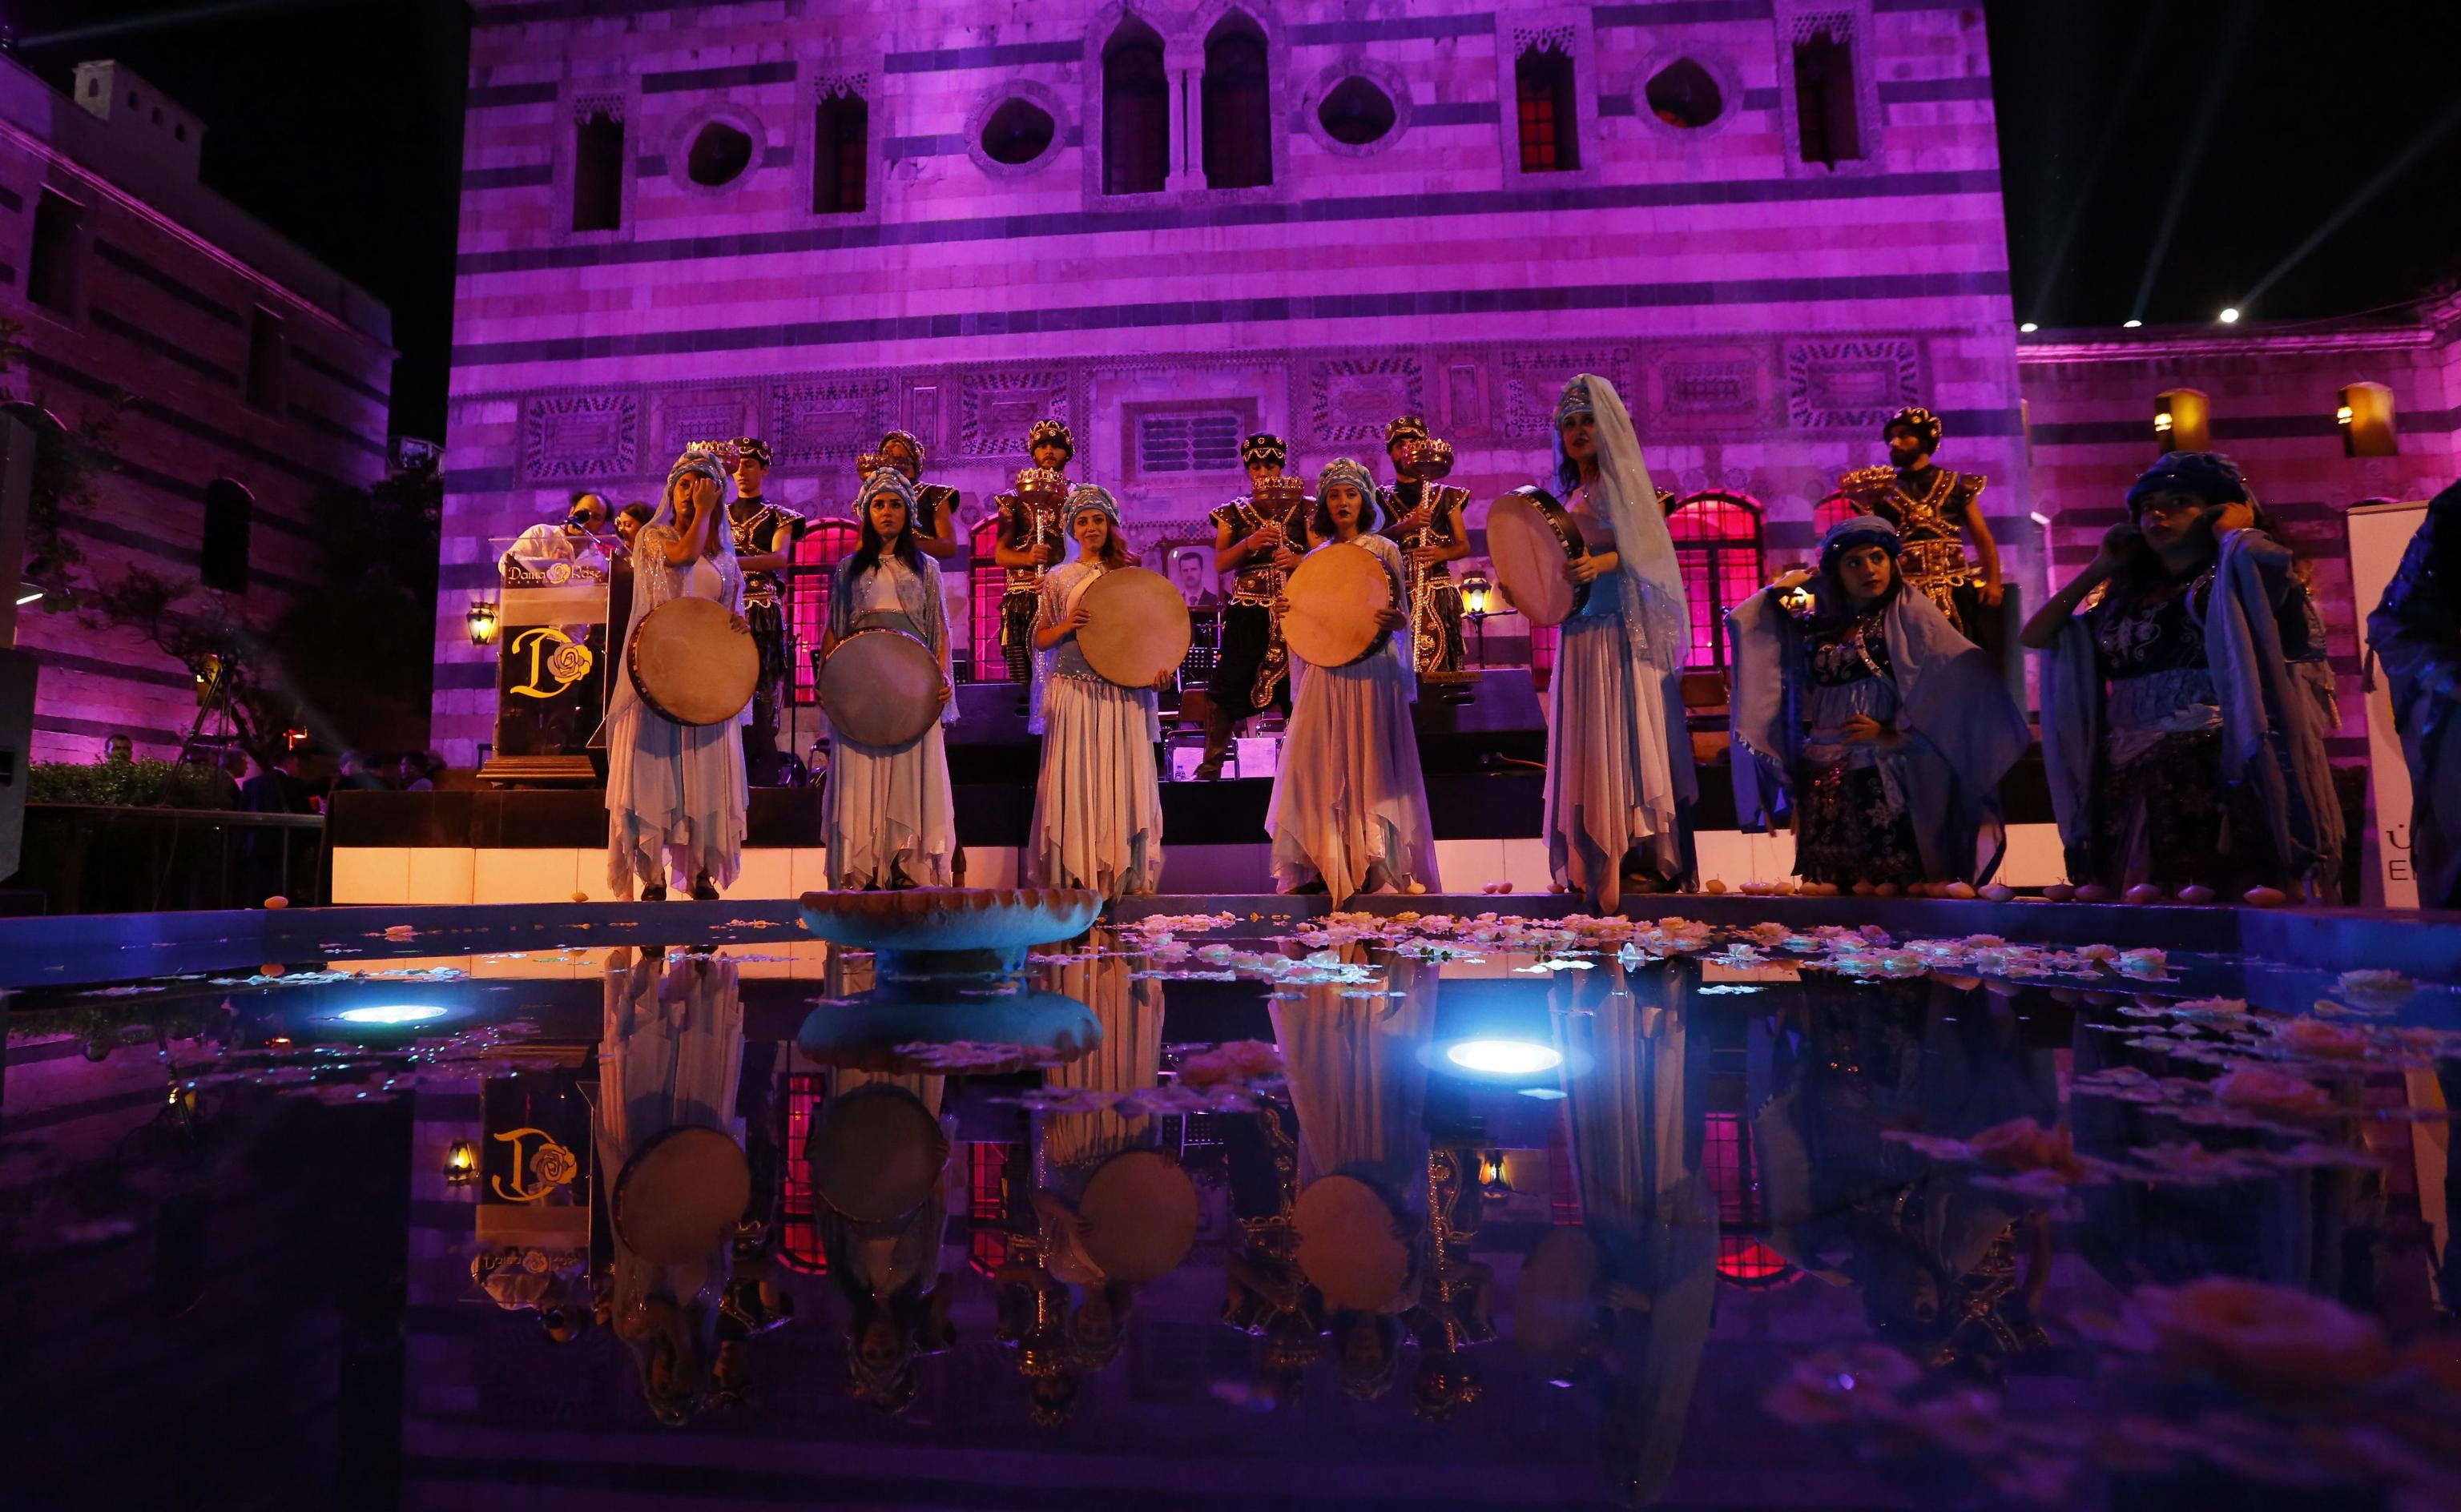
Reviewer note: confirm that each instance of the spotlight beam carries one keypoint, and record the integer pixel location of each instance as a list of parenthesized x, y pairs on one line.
[(2056, 264), (2191, 155), (205, 13), (2398, 164)]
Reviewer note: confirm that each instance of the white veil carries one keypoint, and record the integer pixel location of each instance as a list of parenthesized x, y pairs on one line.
[(1643, 544)]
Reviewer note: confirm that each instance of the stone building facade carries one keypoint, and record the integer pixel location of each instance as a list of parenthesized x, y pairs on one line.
[(1770, 221), (254, 378)]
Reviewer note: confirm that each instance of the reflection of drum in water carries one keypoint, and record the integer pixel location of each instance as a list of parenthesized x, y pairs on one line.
[(693, 660), (876, 1153), (1138, 627), (882, 686), (680, 1195), (1533, 540), (1138, 1218), (1335, 596), (1351, 1245)]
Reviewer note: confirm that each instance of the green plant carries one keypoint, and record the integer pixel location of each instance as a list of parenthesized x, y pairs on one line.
[(126, 784)]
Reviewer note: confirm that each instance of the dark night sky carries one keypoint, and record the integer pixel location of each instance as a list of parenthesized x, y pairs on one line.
[(339, 122)]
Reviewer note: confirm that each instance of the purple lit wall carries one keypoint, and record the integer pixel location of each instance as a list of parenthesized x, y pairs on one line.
[(256, 380), (1762, 312)]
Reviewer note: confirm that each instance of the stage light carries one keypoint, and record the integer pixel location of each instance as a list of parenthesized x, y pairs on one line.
[(481, 620), (2028, 328), (29, 593), (1505, 1057), (2129, 325), (1546, 1094), (461, 1163), (2230, 317), (393, 1013), (2343, 416)]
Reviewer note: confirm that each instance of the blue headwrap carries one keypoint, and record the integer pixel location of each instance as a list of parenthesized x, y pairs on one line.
[(1858, 530), (2209, 476), (886, 480), (701, 458), (1348, 470)]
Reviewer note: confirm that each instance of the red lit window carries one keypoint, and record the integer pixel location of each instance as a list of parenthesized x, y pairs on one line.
[(1734, 1174), (1829, 511), (798, 1247), (989, 582), (1717, 542), (987, 1202), (823, 546), (1543, 641), (1543, 87)]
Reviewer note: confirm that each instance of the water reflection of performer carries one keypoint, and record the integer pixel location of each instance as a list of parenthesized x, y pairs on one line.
[(671, 1051), (1359, 1085), (1630, 1290), (879, 1155)]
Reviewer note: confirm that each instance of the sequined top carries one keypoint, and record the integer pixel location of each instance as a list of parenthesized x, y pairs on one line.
[(1255, 579), (1021, 525)]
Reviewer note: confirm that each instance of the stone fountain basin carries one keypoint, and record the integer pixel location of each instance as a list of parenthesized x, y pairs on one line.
[(937, 920), (1010, 1030)]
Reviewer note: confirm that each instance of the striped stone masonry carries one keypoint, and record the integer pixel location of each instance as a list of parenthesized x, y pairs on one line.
[(1761, 313)]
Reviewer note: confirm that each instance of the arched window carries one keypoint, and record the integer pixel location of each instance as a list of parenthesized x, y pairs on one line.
[(1828, 512), (598, 172), (1717, 542), (1136, 112), (1238, 106), (1542, 79), (823, 546), (841, 154), (230, 518), (988, 581), (1824, 95)]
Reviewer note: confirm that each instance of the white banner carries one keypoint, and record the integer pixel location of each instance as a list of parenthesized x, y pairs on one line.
[(2378, 534)]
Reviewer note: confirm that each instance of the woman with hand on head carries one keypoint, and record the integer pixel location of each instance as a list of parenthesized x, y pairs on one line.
[(1348, 812), (1097, 807), (675, 793), (1859, 707), (892, 819), (1619, 777), (2181, 743)]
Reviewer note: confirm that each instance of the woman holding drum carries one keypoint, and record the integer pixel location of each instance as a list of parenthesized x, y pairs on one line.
[(1098, 808), (1619, 776), (1860, 707), (675, 786), (1348, 812), (883, 681)]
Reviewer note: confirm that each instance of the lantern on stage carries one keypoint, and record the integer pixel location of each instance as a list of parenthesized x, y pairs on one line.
[(481, 620)]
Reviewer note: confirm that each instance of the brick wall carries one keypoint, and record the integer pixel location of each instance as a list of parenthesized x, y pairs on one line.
[(1759, 313), (165, 316)]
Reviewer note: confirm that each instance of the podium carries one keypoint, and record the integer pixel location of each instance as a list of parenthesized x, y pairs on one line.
[(553, 658)]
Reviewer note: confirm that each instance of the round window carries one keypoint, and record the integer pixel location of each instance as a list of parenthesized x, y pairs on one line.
[(718, 156), (1683, 93), (1018, 132), (1356, 112)]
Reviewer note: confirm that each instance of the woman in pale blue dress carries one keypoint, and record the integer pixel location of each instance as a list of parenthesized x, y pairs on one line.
[(1619, 779), (892, 820), (675, 793), (1348, 812)]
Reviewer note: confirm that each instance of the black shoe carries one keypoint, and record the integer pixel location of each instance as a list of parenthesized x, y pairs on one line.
[(656, 892), (704, 890)]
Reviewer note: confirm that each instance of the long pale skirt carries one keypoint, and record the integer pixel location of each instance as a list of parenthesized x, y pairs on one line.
[(1349, 795), (891, 813), (1097, 807), (1610, 783), (675, 797)]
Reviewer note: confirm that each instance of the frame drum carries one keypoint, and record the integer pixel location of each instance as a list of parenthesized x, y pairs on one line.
[(680, 1195), (1336, 593), (694, 661), (1532, 540), (1350, 1245), (876, 1153), (881, 687), (1139, 631)]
